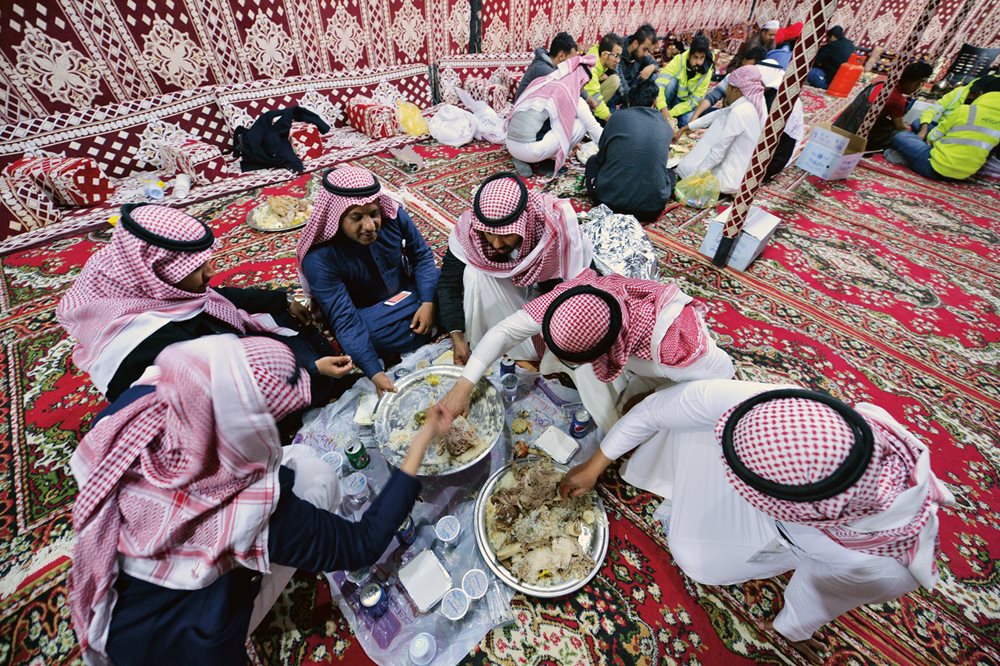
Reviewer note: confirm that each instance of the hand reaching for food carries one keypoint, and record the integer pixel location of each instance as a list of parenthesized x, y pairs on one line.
[(436, 423), (383, 384), (582, 478), (334, 366), (456, 401)]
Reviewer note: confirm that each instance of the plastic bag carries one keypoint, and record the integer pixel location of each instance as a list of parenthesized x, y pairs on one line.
[(698, 191), (489, 124), (452, 126), (410, 119)]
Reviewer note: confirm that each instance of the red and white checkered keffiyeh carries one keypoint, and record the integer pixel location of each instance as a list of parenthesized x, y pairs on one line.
[(552, 246), (132, 277), (582, 321), (561, 92), (748, 80), (177, 488), (797, 441), (329, 209)]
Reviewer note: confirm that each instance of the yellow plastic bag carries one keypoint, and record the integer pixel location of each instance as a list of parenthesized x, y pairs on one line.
[(410, 119), (698, 191)]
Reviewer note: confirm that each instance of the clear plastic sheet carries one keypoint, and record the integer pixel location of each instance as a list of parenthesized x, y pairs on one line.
[(386, 639), (620, 245)]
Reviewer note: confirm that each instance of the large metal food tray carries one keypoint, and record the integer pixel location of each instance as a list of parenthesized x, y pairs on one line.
[(395, 412), (594, 539)]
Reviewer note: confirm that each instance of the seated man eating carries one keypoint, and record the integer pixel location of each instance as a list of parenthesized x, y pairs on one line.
[(150, 289), (765, 479), (368, 270), (191, 517), (620, 337), (510, 247), (550, 117), (629, 172)]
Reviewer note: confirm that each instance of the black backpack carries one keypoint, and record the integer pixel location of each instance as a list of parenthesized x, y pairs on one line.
[(851, 118)]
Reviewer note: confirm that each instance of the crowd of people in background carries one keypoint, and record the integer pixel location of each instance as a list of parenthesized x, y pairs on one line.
[(613, 92)]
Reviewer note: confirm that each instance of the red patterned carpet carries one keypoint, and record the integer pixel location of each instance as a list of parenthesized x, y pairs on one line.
[(882, 287)]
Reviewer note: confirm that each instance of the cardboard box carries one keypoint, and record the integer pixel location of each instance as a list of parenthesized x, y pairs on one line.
[(917, 108), (830, 152), (757, 231)]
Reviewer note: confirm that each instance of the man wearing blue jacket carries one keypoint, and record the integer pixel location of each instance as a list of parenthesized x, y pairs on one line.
[(368, 271)]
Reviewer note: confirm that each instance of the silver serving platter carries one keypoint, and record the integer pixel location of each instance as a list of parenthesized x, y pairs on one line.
[(254, 225), (395, 412), (593, 538)]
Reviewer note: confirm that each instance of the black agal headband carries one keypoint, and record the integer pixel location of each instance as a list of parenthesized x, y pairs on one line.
[(604, 344), (845, 476), (522, 202), (136, 229), (351, 192)]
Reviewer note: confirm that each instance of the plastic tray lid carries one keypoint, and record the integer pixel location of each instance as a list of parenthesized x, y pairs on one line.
[(425, 580)]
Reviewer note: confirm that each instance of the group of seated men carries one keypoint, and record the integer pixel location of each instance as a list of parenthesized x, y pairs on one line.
[(192, 517), (618, 95)]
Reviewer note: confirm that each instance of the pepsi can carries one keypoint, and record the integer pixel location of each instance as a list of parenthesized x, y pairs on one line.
[(507, 366), (375, 600), (580, 424), (407, 532)]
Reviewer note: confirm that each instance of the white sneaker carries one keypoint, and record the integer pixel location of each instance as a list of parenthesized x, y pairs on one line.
[(893, 156), (523, 168)]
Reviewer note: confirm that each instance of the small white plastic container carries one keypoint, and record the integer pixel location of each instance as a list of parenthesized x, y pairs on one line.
[(455, 604), (475, 582), (423, 649)]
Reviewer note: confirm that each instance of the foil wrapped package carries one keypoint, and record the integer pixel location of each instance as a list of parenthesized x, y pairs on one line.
[(620, 244)]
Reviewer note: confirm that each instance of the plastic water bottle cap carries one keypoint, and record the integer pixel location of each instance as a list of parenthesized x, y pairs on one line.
[(423, 649)]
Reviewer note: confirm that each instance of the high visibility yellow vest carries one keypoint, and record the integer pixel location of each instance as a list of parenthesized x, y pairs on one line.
[(968, 134)]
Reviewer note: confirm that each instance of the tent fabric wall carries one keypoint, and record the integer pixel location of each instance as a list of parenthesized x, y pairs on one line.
[(887, 23), (64, 55)]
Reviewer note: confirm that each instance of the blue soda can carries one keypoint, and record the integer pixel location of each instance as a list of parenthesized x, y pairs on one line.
[(507, 366), (375, 600), (402, 372), (407, 532), (580, 424)]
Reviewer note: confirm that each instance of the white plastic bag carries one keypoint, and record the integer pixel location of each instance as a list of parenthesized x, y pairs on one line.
[(452, 126), (489, 124)]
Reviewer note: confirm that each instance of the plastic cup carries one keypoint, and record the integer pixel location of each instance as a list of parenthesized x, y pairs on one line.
[(447, 530), (335, 459), (356, 491), (423, 649), (508, 387), (182, 185), (475, 583), (455, 604)]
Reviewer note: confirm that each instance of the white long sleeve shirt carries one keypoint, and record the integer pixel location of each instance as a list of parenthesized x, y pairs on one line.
[(727, 146), (716, 537)]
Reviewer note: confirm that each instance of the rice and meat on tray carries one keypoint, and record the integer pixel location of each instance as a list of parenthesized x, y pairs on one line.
[(533, 531), (458, 446)]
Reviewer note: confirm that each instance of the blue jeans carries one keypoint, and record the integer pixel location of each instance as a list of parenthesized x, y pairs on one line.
[(917, 153), (670, 96), (817, 78)]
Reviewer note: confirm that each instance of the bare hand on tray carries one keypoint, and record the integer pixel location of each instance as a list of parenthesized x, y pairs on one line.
[(383, 384), (437, 423), (582, 478), (456, 401)]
